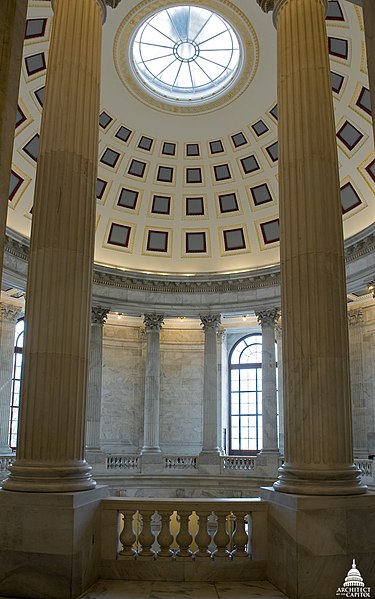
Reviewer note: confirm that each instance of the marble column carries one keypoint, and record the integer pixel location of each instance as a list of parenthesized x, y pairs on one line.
[(50, 453), (280, 384), (12, 34), (151, 442), (355, 321), (94, 391), (211, 412), (268, 319), (368, 7), (317, 405), (9, 314)]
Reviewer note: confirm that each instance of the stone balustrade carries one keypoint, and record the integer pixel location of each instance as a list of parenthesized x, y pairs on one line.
[(367, 468), (180, 462), (238, 463), (5, 462), (183, 530), (123, 462)]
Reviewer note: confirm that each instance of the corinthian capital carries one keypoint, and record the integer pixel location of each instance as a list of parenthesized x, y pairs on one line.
[(268, 317), (99, 315), (210, 321), (9, 312), (153, 322), (266, 5)]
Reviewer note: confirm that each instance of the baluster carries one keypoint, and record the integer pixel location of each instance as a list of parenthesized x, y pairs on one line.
[(146, 537), (184, 537), (202, 538), (165, 539), (240, 537), (127, 537), (221, 537)]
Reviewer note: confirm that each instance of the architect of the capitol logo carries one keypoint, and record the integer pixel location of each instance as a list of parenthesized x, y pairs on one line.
[(353, 585)]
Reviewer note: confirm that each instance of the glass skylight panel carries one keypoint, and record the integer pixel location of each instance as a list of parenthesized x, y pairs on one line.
[(186, 53)]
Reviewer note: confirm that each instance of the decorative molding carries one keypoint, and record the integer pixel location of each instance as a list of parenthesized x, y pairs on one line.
[(99, 315), (355, 248), (355, 317), (210, 322), (153, 322), (9, 312), (268, 317)]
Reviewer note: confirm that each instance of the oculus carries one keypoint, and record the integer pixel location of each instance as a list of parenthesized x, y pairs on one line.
[(186, 53)]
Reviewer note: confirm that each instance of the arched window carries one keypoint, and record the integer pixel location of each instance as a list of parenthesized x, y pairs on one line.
[(245, 393), (16, 383)]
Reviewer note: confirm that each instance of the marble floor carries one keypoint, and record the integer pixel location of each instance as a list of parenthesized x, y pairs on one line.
[(120, 589)]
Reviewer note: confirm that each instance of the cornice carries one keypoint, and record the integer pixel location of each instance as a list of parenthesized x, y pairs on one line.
[(355, 247)]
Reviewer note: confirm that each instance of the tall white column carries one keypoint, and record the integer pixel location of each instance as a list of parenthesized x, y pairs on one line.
[(268, 319), (94, 392), (50, 453), (151, 443), (280, 384), (12, 35), (9, 314), (211, 411), (317, 406)]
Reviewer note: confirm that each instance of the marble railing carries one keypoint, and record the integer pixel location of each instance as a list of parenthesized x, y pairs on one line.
[(367, 468), (238, 463), (184, 529), (123, 462), (180, 462), (5, 462)]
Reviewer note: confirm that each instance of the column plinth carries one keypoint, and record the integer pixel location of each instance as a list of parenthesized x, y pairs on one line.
[(317, 406), (268, 319), (153, 324), (50, 453), (211, 416)]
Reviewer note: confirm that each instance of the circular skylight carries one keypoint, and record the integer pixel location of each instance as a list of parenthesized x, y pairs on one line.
[(186, 53)]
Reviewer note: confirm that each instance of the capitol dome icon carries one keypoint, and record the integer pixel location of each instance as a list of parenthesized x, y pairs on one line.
[(354, 578)]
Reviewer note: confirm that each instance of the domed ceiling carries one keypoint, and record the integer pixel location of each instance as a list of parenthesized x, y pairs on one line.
[(193, 187)]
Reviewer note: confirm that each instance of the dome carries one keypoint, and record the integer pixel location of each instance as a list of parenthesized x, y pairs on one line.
[(191, 187), (354, 578)]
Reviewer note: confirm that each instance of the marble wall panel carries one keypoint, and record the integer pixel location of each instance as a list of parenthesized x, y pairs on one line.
[(181, 391), (123, 389)]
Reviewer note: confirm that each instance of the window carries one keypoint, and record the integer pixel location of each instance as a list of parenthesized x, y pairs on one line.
[(16, 384), (245, 392), (245, 396)]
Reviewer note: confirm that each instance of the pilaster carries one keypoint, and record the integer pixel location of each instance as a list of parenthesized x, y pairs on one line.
[(153, 323), (94, 393), (211, 408)]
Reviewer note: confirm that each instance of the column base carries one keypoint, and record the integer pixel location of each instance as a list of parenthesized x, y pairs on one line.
[(49, 543), (340, 481), (150, 450), (311, 542), (49, 478), (6, 450)]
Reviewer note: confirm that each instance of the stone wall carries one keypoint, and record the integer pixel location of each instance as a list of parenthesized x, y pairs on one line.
[(362, 367), (181, 388)]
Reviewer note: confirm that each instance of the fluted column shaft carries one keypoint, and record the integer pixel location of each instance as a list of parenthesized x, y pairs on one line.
[(355, 320), (268, 319), (94, 390), (12, 34), (368, 7), (151, 443), (211, 416), (280, 385), (318, 437), (8, 321), (50, 454)]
